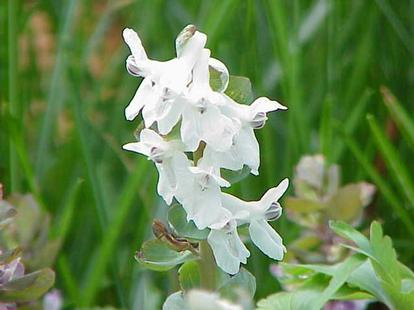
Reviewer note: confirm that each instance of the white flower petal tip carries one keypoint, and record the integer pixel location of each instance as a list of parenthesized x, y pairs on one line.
[(283, 186), (130, 113), (264, 104), (130, 147), (274, 193), (129, 35), (133, 41)]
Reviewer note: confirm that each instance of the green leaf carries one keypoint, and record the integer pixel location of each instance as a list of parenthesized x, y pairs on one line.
[(365, 278), (29, 287), (346, 204), (276, 301), (189, 275), (347, 292), (7, 256), (243, 280), (342, 272), (300, 299), (7, 212), (385, 263), (219, 78), (177, 217), (235, 176), (240, 89), (348, 232), (156, 255), (302, 205)]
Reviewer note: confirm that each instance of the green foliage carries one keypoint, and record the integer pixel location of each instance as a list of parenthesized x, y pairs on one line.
[(324, 60), (177, 218), (28, 287), (372, 273), (243, 281), (189, 275), (157, 255), (240, 89)]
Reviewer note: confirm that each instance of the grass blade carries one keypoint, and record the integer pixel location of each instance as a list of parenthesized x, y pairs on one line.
[(382, 185), (105, 252), (404, 121), (397, 170)]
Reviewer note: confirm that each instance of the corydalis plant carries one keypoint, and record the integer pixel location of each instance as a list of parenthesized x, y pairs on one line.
[(319, 197), (192, 131)]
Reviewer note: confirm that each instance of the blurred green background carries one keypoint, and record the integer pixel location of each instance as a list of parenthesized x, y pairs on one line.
[(64, 88)]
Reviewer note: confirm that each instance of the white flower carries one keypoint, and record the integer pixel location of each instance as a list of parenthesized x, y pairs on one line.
[(245, 148), (202, 300), (198, 190), (256, 214), (197, 300), (202, 119), (172, 164), (170, 77), (228, 250)]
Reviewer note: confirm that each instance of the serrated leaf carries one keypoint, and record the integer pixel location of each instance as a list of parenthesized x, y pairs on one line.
[(348, 232), (240, 89), (29, 287), (189, 275), (177, 217), (157, 255), (385, 258)]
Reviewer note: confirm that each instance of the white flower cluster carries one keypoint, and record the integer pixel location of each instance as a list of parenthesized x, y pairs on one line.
[(176, 94)]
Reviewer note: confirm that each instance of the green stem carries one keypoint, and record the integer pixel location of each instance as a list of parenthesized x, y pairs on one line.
[(206, 263), (207, 266)]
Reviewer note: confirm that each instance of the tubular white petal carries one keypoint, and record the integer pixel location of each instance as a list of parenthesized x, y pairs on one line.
[(273, 194), (192, 49), (266, 239), (229, 251), (136, 147), (133, 41), (143, 95), (248, 149)]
